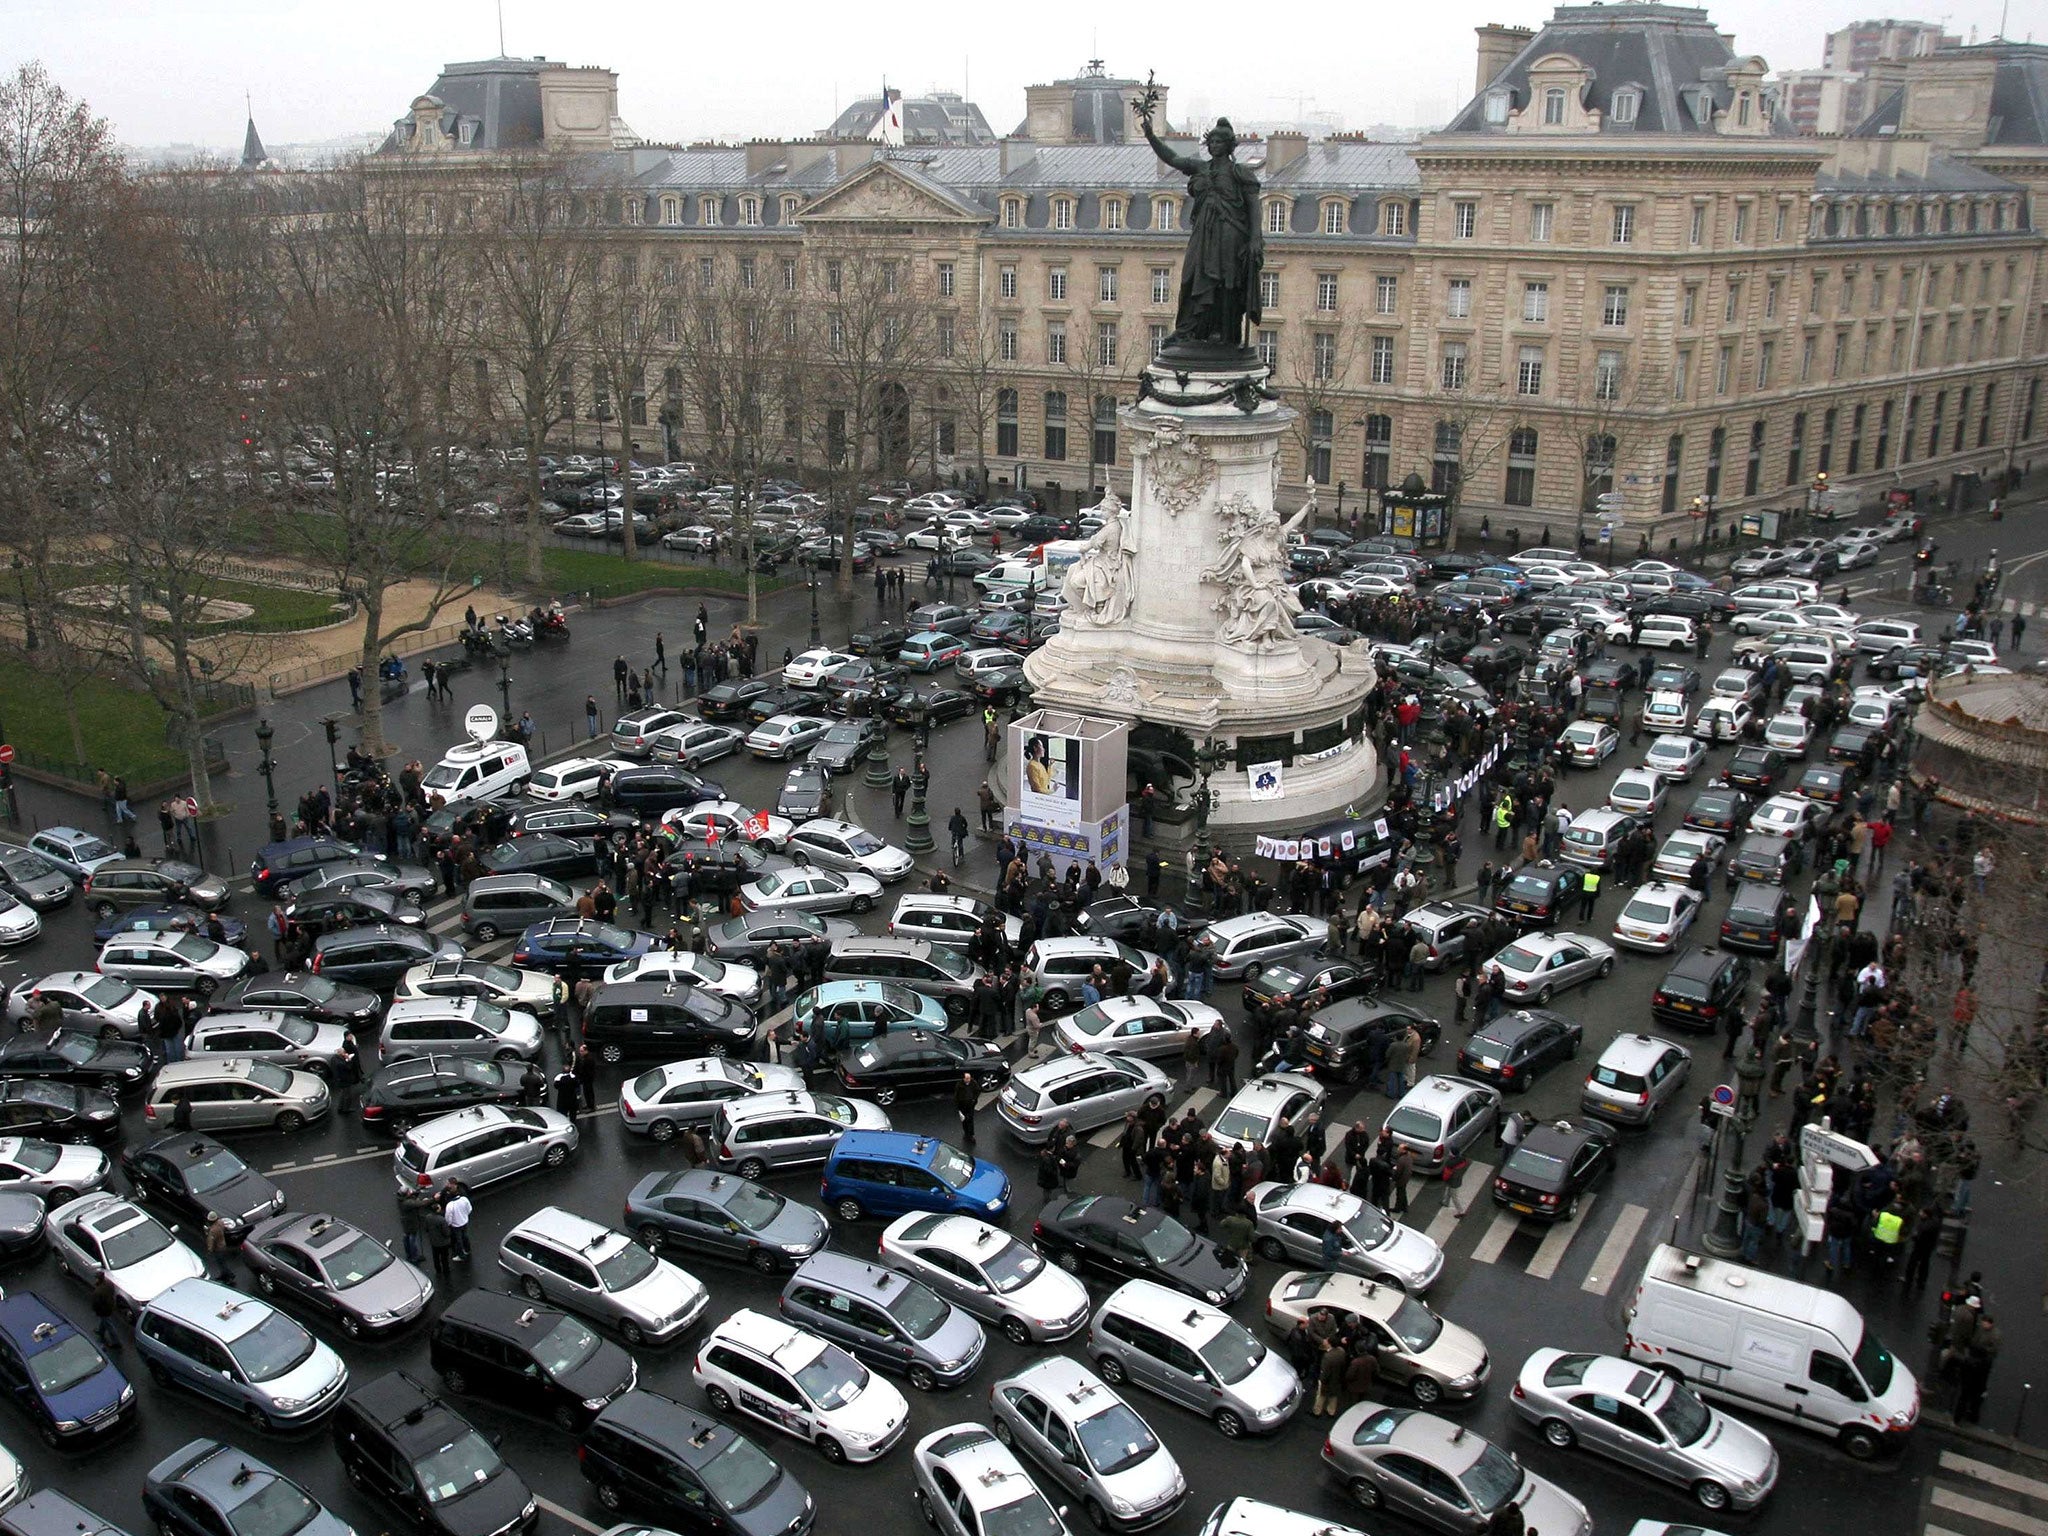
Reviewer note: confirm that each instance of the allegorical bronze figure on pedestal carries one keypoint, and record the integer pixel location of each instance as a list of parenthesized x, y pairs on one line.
[(1219, 275)]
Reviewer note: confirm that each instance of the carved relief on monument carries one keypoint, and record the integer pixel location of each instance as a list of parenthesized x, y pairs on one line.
[(1177, 467)]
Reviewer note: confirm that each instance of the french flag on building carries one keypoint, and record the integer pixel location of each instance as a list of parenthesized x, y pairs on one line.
[(888, 129)]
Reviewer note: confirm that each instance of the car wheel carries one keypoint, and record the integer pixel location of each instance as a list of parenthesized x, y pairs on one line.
[(1069, 1261), (1426, 1390), (1229, 1423), (1252, 972), (1003, 1432), (651, 1237), (718, 1397), (266, 1283), (290, 1120), (1097, 1515), (1542, 998), (485, 932), (1860, 1443), (258, 1419), (1559, 1434), (832, 1450), (609, 1496), (662, 1130), (924, 1505), (159, 1375), (611, 1053), (1571, 1210), (532, 1287), (799, 858), (351, 1325), (1015, 1331), (752, 1168), (848, 1209), (1366, 1492), (455, 1381), (1269, 1248), (1056, 1000), (103, 910), (863, 903), (885, 1097), (555, 1156), (506, 1057), (1710, 1494), (762, 1260), (1111, 1370), (985, 1082)]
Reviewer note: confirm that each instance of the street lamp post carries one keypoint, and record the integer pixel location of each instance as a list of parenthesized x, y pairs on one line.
[(267, 766), (814, 602), (919, 839), (505, 687), (333, 736), (28, 619), (1210, 756)]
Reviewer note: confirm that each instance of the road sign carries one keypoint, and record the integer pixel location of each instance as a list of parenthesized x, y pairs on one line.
[(6, 754), (191, 806), (1722, 1101), (1610, 501)]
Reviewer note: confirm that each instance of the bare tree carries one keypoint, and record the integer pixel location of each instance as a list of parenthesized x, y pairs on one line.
[(1607, 405), (1476, 423), (976, 374), (1316, 379), (1097, 361), (624, 318)]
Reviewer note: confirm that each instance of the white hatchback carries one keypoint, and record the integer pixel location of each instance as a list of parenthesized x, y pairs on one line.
[(1788, 732), (1657, 916), (1675, 757), (574, 778), (790, 1379)]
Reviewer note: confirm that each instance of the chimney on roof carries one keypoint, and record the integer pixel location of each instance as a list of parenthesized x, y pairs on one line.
[(1498, 46), (1284, 146)]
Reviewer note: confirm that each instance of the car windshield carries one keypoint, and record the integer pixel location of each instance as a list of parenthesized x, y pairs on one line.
[(209, 1174), (754, 1207), (36, 1156), (1610, 1077), (953, 1167), (1493, 1479), (108, 992), (76, 1047), (1093, 1020), (1874, 1364), (738, 1476), (567, 1346), (1241, 1125), (1517, 957), (1684, 1417), (614, 938), (277, 1508), (189, 946), (464, 1463), (273, 1347), (918, 1311), (1415, 1325), (485, 1074), (833, 1379), (1115, 1440), (24, 865), (1168, 1242), (626, 1268), (64, 1367), (1370, 1226), (864, 843), (362, 1258), (268, 1074), (85, 847), (1233, 1354), (131, 1245), (1528, 1166), (1013, 1268), (1028, 1516)]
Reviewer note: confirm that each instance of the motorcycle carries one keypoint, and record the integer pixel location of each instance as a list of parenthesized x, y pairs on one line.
[(549, 624), (1932, 594), (515, 633), (478, 645)]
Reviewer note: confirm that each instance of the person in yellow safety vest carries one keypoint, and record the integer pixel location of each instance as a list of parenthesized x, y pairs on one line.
[(1888, 1230), (1503, 819), (1589, 892)]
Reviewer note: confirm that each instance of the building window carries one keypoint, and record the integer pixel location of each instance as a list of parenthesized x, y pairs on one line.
[(1464, 220), (1395, 219), (1535, 302), (945, 280), (1674, 460), (1724, 370), (1553, 107), (1458, 298), (1162, 284), (1825, 459), (1598, 467), (1444, 470), (1276, 217), (1326, 292), (1055, 424), (945, 336), (1806, 346), (1614, 306), (835, 338), (835, 277), (707, 210), (1056, 284), (1496, 107), (1162, 213), (1383, 359), (1854, 461), (1542, 217), (1681, 374), (1161, 332), (1106, 341), (1884, 436), (1817, 298), (1006, 341), (1689, 305), (790, 205), (1715, 446), (1697, 234), (1063, 213), (1112, 213), (1333, 218), (1269, 348), (1006, 423), (750, 212), (1607, 376), (1105, 429), (1529, 372), (1625, 105), (1752, 471), (1384, 288), (1321, 428), (1006, 282), (1269, 292), (1379, 451), (1521, 486), (1732, 306), (1841, 356), (1453, 373), (949, 437), (1795, 450), (1323, 352), (1624, 229), (1056, 343), (746, 270), (789, 274), (1742, 223), (1013, 213), (671, 210), (1984, 420), (1772, 290), (1766, 355), (1934, 423), (1105, 285), (1778, 225)]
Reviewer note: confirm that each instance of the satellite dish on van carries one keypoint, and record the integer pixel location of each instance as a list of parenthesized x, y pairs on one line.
[(481, 722)]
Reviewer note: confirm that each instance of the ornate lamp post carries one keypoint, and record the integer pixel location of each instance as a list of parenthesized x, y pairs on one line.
[(28, 619), (333, 737), (505, 688), (267, 765), (879, 774), (919, 839), (1210, 756)]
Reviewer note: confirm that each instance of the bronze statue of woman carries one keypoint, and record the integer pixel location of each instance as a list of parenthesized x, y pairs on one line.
[(1219, 274)]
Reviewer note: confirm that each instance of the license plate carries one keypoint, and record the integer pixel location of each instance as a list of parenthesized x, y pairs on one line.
[(1314, 1049), (1683, 1008), (1518, 906), (1526, 1210)]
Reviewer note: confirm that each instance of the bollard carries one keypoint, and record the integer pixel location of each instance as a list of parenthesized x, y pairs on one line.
[(1724, 1238)]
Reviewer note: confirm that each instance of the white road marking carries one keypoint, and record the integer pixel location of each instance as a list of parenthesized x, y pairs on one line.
[(1477, 1176), (1504, 1223), (1550, 1252), (1998, 1477), (1614, 1250), (569, 1517), (1989, 1513)]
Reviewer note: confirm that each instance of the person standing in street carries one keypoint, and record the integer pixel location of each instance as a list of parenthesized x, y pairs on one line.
[(218, 1266), (1973, 1372), (412, 1224), (899, 790), (591, 717), (104, 1301), (457, 1209), (586, 1076), (661, 655), (966, 1100), (440, 1240)]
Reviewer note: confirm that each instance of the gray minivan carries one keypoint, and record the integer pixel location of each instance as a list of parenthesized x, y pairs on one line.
[(241, 1353), (1192, 1354), (936, 970), (496, 904), (886, 1318)]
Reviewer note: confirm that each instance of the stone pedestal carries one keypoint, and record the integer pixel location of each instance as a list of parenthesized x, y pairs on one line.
[(1205, 446)]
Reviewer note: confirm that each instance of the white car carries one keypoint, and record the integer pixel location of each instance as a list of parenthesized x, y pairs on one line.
[(1875, 709), (1787, 816), (1137, 1026), (989, 1273), (1834, 618), (1369, 584), (573, 778), (1788, 732), (723, 820), (1603, 619), (1639, 790), (1289, 1220), (786, 735), (1735, 683), (1537, 966), (18, 922), (843, 845), (811, 890), (805, 1386), (934, 536), (696, 538), (808, 668), (1722, 719), (1257, 1109), (1656, 916), (1589, 743), (1682, 848), (102, 1234), (1669, 631), (966, 520), (1972, 653), (1675, 757), (662, 1100), (741, 983)]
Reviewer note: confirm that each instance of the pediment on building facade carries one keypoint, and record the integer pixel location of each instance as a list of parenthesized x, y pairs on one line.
[(883, 191)]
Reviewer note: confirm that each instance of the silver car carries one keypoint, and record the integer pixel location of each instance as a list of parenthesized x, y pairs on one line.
[(662, 1100), (1256, 1110), (172, 962), (990, 1273), (589, 1268), (240, 1353), (1442, 1117), (1089, 1440), (336, 1270), (847, 846), (457, 1026), (1649, 1421), (811, 890), (1635, 1077), (1237, 945), (1414, 1346), (886, 1318), (1137, 1026), (741, 983), (231, 1093), (283, 1039), (1084, 1091), (88, 999), (482, 1145), (1538, 965), (102, 1234), (1290, 1219), (751, 1135), (1193, 1354), (55, 1171), (1441, 1474)]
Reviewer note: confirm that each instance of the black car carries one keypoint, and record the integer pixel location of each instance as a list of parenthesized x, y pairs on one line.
[(652, 788), (1908, 661), (174, 918), (1345, 1039), (376, 957), (1615, 672), (746, 938), (1828, 783), (729, 701), (1754, 770), (197, 1178), (692, 1473), (964, 562), (1307, 982), (806, 793), (1721, 811), (541, 853), (1536, 894), (1003, 687), (664, 1019), (886, 1067), (400, 1443), (278, 864), (1771, 860), (1491, 660), (420, 1087), (1044, 527), (845, 746), (1513, 1050), (324, 910), (781, 701), (517, 1353), (1856, 746), (880, 640), (1446, 566), (574, 947), (415, 882), (720, 868), (1673, 677), (940, 705), (1113, 1237), (568, 819), (863, 677), (1556, 1162), (1703, 986), (30, 1106), (304, 993), (23, 1224), (78, 1056), (1760, 916), (1704, 602)]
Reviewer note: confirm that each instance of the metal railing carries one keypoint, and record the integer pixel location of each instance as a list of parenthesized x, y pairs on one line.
[(323, 667)]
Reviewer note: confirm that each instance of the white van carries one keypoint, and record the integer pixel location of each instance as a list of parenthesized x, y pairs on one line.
[(1011, 573), (479, 770), (1772, 1346)]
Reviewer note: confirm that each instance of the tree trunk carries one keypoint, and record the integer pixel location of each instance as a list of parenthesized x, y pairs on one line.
[(627, 544), (534, 444), (373, 685)]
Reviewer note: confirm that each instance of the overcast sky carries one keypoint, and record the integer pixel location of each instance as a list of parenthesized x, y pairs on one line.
[(168, 71)]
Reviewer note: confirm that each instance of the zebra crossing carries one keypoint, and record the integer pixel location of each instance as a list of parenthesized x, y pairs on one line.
[(1968, 1496)]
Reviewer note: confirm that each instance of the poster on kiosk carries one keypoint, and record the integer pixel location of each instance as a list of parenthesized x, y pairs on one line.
[(1069, 789)]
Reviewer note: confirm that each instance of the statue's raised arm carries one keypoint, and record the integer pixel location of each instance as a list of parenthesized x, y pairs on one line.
[(1145, 106)]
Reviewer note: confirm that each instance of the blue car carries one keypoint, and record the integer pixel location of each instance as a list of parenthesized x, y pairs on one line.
[(159, 919), (892, 1173), (1511, 576), (58, 1377), (578, 946)]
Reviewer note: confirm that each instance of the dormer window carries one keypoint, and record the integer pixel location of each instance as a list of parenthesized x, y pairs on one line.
[(1063, 213), (1333, 218), (789, 208), (1495, 109), (707, 210), (671, 210), (1276, 216), (1742, 109), (1013, 213), (636, 210), (1627, 102), (465, 132), (1162, 213), (1112, 213), (750, 212), (1553, 107)]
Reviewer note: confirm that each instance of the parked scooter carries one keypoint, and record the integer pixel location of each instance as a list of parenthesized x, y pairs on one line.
[(515, 633)]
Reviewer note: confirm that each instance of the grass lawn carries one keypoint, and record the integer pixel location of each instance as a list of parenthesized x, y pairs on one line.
[(124, 730), (277, 608)]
